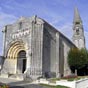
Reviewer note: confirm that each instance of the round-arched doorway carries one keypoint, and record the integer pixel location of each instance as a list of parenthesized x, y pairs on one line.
[(21, 61)]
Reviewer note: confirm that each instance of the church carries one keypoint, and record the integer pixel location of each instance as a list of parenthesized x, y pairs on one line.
[(33, 48)]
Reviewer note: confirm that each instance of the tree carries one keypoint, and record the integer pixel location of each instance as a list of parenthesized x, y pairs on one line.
[(84, 56), (77, 59)]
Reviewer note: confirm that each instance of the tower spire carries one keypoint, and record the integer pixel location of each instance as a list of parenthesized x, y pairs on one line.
[(78, 31), (77, 17)]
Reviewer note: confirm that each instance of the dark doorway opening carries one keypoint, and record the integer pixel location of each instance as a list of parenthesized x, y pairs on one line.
[(21, 62), (24, 65)]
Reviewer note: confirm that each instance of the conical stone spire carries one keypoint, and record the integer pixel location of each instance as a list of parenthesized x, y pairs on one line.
[(78, 31), (77, 17)]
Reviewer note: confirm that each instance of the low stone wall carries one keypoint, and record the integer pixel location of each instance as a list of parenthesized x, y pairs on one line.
[(70, 84), (82, 83), (44, 81)]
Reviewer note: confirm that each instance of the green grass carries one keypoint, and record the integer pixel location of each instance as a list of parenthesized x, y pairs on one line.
[(72, 79), (61, 87), (53, 80), (48, 86)]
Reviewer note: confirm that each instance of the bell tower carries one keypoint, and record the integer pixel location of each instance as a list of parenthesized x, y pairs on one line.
[(78, 31)]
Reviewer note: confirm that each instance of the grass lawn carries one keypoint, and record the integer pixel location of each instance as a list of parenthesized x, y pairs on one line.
[(48, 86)]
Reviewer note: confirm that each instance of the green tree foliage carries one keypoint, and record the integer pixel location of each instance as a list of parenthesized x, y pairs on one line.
[(77, 58)]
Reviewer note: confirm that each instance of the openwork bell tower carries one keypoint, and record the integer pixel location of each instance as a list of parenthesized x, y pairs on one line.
[(78, 31)]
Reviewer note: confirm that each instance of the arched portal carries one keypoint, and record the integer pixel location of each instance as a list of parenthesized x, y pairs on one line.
[(16, 56), (21, 61), (14, 49)]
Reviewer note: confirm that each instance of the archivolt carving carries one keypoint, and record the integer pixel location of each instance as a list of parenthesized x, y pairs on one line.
[(14, 49)]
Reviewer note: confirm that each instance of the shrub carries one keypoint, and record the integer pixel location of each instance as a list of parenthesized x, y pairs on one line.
[(77, 59), (69, 76)]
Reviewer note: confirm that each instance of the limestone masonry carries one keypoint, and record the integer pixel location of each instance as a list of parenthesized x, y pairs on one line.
[(32, 48)]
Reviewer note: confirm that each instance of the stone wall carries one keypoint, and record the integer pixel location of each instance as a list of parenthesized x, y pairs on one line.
[(55, 51), (49, 51), (36, 49), (67, 45), (46, 48), (13, 33)]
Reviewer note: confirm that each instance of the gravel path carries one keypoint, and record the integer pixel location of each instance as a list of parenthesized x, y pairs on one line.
[(29, 86), (19, 84)]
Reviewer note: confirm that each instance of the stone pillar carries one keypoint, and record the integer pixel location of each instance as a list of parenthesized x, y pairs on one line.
[(29, 52), (32, 49), (28, 57), (4, 39), (57, 56), (41, 49), (67, 70), (36, 44)]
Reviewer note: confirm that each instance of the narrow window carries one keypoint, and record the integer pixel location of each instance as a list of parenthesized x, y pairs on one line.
[(77, 31), (20, 25)]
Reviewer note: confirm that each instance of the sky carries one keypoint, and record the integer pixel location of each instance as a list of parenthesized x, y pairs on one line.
[(59, 13)]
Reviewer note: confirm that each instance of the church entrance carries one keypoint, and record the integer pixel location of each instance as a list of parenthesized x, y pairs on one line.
[(21, 62)]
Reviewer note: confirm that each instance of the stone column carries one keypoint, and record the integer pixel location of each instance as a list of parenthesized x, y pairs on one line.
[(4, 39), (41, 49), (67, 70), (32, 49), (36, 49), (57, 56), (28, 57), (28, 52)]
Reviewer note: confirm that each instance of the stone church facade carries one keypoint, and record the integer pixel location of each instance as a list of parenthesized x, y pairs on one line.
[(35, 48)]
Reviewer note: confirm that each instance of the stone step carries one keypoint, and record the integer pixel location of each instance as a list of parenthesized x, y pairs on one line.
[(17, 76)]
